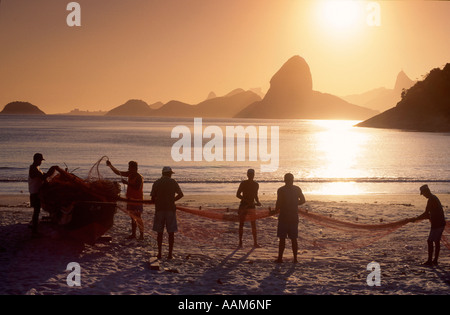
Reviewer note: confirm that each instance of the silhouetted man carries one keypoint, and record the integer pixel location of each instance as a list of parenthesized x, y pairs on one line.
[(135, 190), (165, 192), (36, 179), (435, 213), (289, 197), (248, 193)]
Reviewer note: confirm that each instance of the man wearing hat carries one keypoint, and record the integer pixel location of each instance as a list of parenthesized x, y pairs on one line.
[(435, 213), (36, 179), (165, 191)]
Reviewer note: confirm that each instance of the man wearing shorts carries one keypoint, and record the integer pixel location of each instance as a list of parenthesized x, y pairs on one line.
[(435, 213), (289, 197), (248, 194), (165, 192)]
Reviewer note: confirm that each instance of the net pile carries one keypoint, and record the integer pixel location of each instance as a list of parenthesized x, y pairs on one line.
[(63, 190), (86, 208)]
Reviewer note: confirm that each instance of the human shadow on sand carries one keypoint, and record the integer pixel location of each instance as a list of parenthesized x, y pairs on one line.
[(27, 262), (215, 277)]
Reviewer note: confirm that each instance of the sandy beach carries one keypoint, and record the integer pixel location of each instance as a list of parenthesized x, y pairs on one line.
[(208, 262)]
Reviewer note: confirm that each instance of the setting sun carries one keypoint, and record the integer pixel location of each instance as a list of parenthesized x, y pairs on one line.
[(339, 18)]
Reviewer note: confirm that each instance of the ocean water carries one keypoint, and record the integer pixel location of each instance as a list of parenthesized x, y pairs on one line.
[(326, 157)]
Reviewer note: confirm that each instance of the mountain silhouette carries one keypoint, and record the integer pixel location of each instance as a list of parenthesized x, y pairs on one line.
[(220, 107), (211, 95), (291, 95), (131, 108), (21, 108), (382, 98), (402, 82), (423, 107), (175, 109)]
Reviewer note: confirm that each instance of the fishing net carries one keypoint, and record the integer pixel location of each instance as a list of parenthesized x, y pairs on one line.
[(326, 232), (218, 225), (96, 171), (227, 214), (63, 189), (329, 233), (318, 230), (85, 208)]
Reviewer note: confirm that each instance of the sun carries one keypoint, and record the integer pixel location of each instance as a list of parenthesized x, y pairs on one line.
[(339, 17)]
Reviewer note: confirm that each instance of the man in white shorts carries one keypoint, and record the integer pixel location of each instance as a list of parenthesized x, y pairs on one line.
[(165, 192)]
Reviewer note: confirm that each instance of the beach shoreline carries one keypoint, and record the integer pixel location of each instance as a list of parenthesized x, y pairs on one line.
[(21, 199), (207, 260)]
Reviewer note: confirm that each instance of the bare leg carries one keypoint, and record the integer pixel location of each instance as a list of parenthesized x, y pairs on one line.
[(294, 249), (133, 228), (140, 225), (241, 231), (171, 242), (159, 240), (437, 249), (255, 241), (281, 247)]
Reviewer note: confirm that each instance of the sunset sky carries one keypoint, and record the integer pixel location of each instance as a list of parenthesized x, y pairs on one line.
[(162, 50)]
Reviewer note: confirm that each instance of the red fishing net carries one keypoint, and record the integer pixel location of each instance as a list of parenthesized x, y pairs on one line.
[(64, 191), (227, 214), (317, 230), (83, 208), (323, 231)]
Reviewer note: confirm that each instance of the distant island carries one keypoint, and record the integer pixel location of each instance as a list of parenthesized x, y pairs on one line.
[(21, 108), (291, 96), (423, 107)]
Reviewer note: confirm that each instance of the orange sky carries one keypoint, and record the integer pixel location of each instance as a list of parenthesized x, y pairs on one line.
[(159, 50)]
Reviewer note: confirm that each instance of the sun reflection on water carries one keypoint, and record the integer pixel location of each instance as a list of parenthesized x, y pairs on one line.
[(339, 148)]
